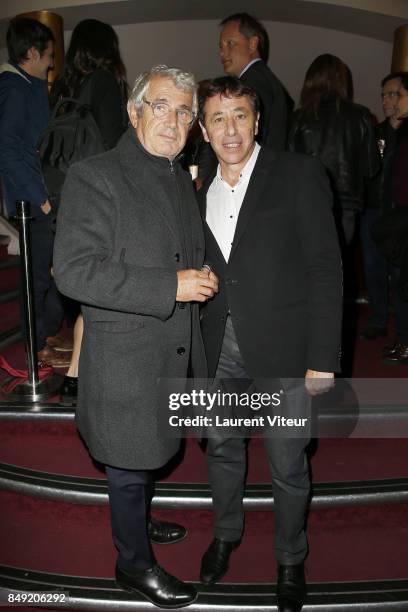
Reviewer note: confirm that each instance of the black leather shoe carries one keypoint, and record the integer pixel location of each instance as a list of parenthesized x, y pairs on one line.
[(69, 391), (372, 333), (214, 563), (161, 532), (291, 588), (159, 587), (398, 354)]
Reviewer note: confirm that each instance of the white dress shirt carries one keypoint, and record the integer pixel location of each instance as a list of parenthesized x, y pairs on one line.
[(224, 203)]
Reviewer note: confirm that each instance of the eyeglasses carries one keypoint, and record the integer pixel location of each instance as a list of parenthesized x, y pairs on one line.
[(390, 94), (161, 109)]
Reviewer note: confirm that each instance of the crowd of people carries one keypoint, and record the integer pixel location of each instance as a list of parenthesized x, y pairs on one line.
[(235, 278)]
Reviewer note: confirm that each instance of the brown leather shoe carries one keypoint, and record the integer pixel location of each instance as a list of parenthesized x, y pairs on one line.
[(59, 343), (50, 357)]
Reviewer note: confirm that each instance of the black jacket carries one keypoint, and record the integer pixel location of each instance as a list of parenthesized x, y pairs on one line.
[(282, 283), (378, 189), (101, 91), (342, 137), (276, 105), (24, 114)]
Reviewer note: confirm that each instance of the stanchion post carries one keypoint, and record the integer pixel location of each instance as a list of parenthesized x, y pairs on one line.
[(23, 218)]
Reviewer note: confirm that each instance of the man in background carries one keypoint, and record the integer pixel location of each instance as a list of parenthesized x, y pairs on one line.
[(24, 114), (378, 200), (398, 354), (244, 51)]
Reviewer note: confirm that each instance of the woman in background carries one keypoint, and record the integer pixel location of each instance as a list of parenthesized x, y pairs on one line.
[(329, 126), (95, 74)]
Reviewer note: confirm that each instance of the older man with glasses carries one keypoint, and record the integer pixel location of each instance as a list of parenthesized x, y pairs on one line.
[(130, 248)]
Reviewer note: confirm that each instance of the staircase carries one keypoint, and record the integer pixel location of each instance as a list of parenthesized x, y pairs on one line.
[(10, 330), (54, 518)]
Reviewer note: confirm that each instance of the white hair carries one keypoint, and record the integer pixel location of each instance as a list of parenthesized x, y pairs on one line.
[(181, 79)]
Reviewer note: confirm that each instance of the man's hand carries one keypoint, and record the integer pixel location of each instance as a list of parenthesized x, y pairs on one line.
[(317, 383), (196, 285), (46, 207)]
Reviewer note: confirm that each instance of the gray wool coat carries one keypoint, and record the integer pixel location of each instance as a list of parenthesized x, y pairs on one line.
[(128, 221)]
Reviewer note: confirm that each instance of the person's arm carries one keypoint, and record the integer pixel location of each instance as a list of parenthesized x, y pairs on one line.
[(26, 177), (370, 151), (319, 241)]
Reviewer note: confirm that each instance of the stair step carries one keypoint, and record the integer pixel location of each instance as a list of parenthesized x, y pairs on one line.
[(9, 296), (32, 443), (382, 414), (365, 543), (94, 491), (9, 278), (11, 261), (84, 593), (9, 311), (10, 337)]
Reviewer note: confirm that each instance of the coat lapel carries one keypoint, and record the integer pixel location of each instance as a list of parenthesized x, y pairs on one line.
[(257, 184), (211, 243), (141, 172)]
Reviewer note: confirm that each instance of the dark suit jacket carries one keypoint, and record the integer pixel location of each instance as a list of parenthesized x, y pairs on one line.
[(283, 281), (128, 222), (276, 105)]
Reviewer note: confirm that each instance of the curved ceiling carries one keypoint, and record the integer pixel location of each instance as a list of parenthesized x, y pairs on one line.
[(372, 18)]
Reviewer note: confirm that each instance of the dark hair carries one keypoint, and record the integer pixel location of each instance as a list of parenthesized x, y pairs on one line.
[(93, 45), (24, 33), (392, 76), (249, 26), (404, 80), (403, 76), (326, 76), (227, 86)]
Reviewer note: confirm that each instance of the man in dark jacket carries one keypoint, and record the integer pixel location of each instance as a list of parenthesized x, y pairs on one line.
[(244, 50), (398, 354), (130, 247), (24, 114), (272, 242), (378, 200)]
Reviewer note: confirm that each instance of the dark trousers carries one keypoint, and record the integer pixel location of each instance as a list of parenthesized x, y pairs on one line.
[(376, 270), (287, 462), (130, 493), (48, 306), (400, 307)]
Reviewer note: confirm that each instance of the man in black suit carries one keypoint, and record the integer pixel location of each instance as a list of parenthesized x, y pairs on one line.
[(378, 201), (271, 240), (244, 50)]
